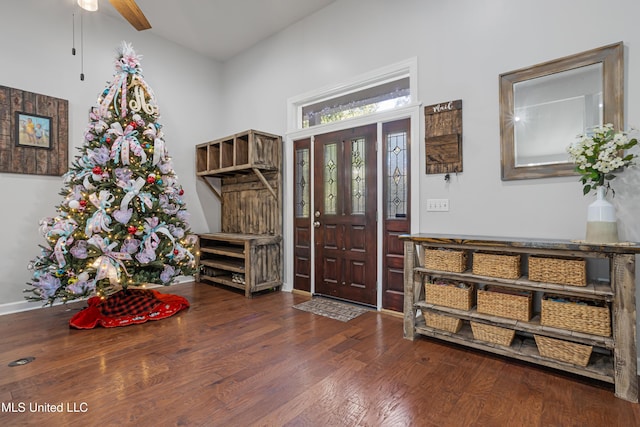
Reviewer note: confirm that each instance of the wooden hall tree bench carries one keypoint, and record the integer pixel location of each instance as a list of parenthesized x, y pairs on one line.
[(245, 171)]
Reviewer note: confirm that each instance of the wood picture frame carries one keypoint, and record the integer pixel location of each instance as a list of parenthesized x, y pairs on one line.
[(19, 153), (32, 130), (611, 58)]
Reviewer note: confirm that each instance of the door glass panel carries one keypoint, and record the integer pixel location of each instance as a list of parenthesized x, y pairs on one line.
[(397, 175), (330, 178), (358, 182), (302, 183), (346, 105)]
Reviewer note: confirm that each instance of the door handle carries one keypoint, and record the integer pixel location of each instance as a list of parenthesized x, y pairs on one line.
[(316, 224)]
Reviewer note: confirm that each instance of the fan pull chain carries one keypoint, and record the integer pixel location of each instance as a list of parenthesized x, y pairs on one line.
[(73, 34), (81, 48)]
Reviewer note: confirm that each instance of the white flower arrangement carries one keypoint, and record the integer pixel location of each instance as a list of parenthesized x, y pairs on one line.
[(600, 152)]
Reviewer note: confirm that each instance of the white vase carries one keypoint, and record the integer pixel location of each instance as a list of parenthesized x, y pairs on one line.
[(602, 226)]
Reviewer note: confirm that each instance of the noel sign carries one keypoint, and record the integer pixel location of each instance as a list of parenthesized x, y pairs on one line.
[(443, 137)]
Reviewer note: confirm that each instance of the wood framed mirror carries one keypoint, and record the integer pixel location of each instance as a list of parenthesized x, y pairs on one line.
[(544, 107)]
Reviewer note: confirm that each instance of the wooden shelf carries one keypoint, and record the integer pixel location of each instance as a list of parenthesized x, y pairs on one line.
[(256, 257), (532, 326), (232, 170), (235, 266), (600, 366), (249, 152), (223, 280), (614, 358), (232, 251), (235, 239), (594, 290)]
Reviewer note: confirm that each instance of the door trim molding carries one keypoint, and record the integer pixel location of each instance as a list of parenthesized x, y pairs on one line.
[(412, 112)]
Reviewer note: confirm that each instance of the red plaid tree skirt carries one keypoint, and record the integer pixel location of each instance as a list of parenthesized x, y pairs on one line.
[(128, 307)]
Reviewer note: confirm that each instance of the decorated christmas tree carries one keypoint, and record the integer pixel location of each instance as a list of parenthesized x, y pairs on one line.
[(122, 222)]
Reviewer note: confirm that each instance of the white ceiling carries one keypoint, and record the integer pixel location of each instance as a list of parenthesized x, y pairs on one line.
[(220, 29)]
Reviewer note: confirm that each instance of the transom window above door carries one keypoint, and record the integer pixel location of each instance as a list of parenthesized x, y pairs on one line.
[(379, 91), (383, 97)]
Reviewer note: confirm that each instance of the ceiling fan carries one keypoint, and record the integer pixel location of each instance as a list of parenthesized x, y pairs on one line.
[(127, 8)]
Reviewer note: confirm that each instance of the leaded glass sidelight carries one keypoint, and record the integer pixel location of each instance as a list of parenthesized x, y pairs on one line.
[(358, 182), (397, 175), (330, 179), (303, 193)]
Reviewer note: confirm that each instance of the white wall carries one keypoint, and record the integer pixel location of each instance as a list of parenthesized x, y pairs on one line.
[(35, 41), (462, 46)]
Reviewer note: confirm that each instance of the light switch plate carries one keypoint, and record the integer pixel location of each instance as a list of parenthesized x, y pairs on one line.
[(437, 205)]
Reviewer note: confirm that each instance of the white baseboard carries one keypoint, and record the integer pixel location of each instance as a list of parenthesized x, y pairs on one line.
[(19, 306)]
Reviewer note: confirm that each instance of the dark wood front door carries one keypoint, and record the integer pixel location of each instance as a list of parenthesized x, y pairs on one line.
[(345, 215)]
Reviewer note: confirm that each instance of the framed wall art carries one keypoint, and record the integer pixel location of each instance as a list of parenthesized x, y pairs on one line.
[(32, 130), (34, 134)]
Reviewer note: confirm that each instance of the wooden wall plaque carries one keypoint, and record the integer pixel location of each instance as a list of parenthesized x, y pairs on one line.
[(443, 137), (39, 150)]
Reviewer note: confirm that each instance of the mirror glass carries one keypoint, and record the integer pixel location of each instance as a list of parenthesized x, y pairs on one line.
[(544, 107), (550, 111)]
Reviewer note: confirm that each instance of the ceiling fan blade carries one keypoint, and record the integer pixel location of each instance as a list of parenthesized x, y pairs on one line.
[(132, 13)]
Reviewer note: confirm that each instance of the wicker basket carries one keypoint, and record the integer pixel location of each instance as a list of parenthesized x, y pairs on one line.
[(506, 266), (576, 317), (565, 351), (442, 322), (499, 302), (445, 260), (450, 296), (565, 271), (492, 334)]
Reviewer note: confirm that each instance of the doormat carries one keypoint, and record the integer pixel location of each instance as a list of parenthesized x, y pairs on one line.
[(332, 309)]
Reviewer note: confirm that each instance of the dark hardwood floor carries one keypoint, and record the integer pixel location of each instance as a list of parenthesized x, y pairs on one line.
[(232, 361)]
